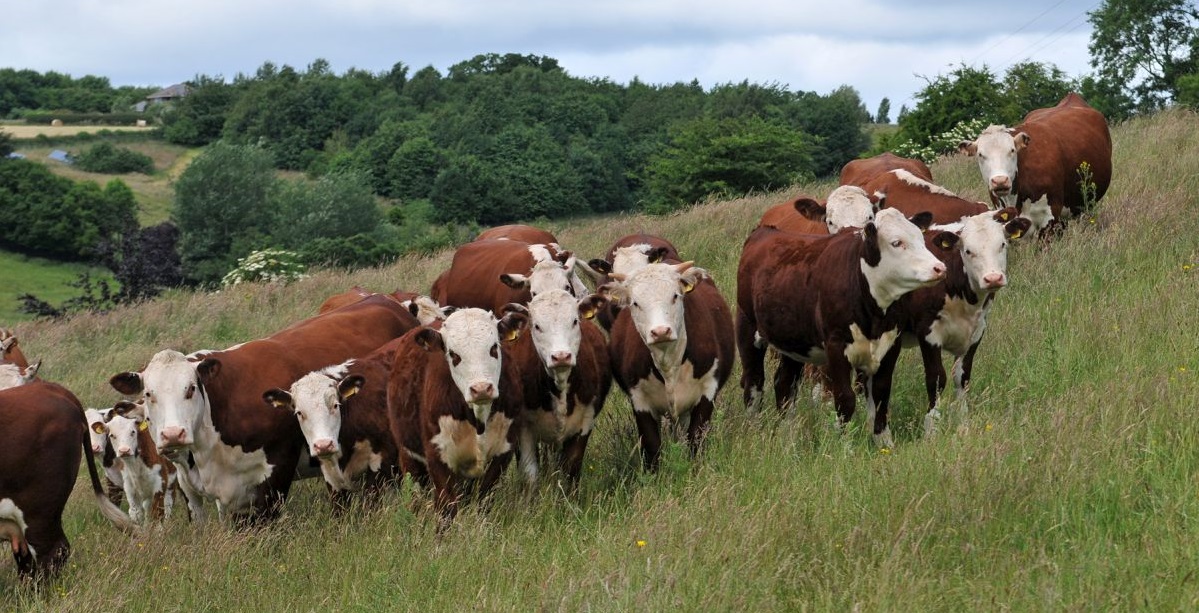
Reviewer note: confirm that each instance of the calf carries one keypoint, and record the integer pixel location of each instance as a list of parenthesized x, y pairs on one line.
[(913, 195), (149, 480), (953, 315), (847, 206), (113, 482), (342, 411), (827, 300), (453, 397), (565, 379), (45, 437), (671, 349)]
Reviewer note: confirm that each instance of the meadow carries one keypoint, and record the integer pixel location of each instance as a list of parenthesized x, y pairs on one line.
[(1071, 483)]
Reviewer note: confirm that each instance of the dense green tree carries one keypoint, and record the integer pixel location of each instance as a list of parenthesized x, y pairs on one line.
[(965, 93), (837, 123), (198, 118), (1144, 47), (6, 146), (884, 111), (413, 168), (337, 205), (1031, 85)]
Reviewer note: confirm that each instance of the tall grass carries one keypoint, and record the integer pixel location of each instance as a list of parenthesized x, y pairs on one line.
[(1071, 484)]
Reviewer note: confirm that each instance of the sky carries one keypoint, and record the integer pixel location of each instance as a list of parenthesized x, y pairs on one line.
[(882, 48)]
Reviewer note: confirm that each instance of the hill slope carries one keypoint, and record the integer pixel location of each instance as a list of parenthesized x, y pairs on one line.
[(1071, 484)]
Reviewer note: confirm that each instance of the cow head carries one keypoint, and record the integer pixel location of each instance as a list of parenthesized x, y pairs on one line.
[(121, 425), (654, 296), (984, 247), (172, 388), (545, 275), (97, 436), (315, 399), (470, 341), (426, 310), (13, 375), (895, 260), (9, 351), (554, 318), (997, 149), (626, 260), (849, 206)]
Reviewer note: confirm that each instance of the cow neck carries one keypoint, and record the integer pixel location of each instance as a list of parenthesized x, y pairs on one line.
[(668, 358), (876, 308), (957, 282)]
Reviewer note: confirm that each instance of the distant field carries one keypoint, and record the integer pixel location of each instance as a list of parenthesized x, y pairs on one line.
[(25, 131), (43, 278)]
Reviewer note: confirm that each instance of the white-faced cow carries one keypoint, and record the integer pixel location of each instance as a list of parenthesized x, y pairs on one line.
[(860, 172), (827, 300), (671, 349), (113, 483), (13, 375), (493, 273), (149, 480), (847, 206), (627, 254), (342, 411), (453, 402), (565, 379), (912, 195), (246, 452), (1043, 157), (952, 315), (43, 439), (425, 309)]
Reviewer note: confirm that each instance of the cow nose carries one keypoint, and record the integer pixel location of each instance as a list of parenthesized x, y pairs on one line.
[(96, 449), (1000, 183), (124, 452), (661, 333), (482, 391), (939, 270), (173, 436), (562, 358), (995, 279), (324, 446)]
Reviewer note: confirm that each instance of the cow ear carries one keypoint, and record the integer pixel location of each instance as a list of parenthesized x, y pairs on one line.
[(278, 398), (122, 408), (657, 254), (1017, 227), (616, 293), (1022, 139), (412, 307), (1005, 215), (511, 325), (349, 386), (871, 253), (690, 277), (968, 147), (563, 257), (99, 427), (7, 344), (602, 267), (31, 370), (429, 340), (208, 368), (809, 208), (448, 310), (878, 199), (514, 307), (127, 383), (922, 220), (515, 281), (143, 425), (946, 240), (590, 305)]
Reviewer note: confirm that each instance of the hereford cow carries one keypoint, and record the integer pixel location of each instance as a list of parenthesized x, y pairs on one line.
[(671, 349), (953, 315), (9, 351), (490, 274), (860, 172), (847, 206), (246, 453), (1043, 157), (113, 483), (565, 379), (44, 437), (518, 232), (912, 195), (424, 308), (827, 300), (13, 375), (342, 411), (626, 255), (148, 479), (453, 400)]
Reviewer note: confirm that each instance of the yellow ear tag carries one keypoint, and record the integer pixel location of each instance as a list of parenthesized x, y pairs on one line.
[(142, 426), (511, 335), (945, 244), (1017, 234), (1005, 217), (351, 391), (687, 287), (98, 428), (589, 314)]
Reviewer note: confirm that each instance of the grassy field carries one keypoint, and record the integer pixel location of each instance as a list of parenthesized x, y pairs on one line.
[(1072, 483), (43, 278), (20, 131)]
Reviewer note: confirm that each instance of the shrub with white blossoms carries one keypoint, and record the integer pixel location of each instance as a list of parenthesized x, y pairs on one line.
[(943, 143), (270, 265)]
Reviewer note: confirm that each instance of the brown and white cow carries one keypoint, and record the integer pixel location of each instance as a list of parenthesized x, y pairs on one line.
[(518, 232), (912, 195), (860, 172), (827, 300), (952, 315), (245, 452), (43, 439), (13, 375), (493, 273), (424, 308), (453, 403), (671, 348), (565, 379), (113, 482), (627, 254), (9, 350), (148, 479), (1042, 159), (342, 411), (847, 206)]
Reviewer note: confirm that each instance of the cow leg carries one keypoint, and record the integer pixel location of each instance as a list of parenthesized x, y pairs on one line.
[(753, 358), (649, 431), (934, 384), (962, 368), (48, 548), (570, 460), (187, 479), (786, 381), (495, 470), (446, 494), (527, 456), (840, 375), (878, 397), (115, 493), (697, 430)]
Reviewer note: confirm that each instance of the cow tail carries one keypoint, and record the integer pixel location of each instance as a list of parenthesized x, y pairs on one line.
[(110, 511)]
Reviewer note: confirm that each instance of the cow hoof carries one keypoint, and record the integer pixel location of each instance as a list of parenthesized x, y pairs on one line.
[(931, 421), (883, 439)]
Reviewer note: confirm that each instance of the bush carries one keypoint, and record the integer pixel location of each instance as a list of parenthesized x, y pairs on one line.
[(67, 117), (269, 265), (105, 158), (943, 143)]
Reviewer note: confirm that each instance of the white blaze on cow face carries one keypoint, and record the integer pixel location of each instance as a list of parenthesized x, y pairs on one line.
[(99, 440), (654, 297), (316, 402), (984, 248), (12, 375), (175, 403), (122, 434), (996, 149), (425, 309), (554, 319), (904, 265), (472, 350), (626, 260), (848, 206)]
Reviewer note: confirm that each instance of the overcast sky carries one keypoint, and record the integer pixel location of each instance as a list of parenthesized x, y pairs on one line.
[(881, 48)]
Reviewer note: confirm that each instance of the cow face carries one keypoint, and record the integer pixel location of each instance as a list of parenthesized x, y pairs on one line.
[(626, 260), (9, 351), (97, 437), (997, 149), (555, 318), (171, 388), (546, 275), (470, 341), (654, 297), (984, 247), (122, 432), (426, 310), (895, 259), (849, 207), (315, 399), (13, 375)]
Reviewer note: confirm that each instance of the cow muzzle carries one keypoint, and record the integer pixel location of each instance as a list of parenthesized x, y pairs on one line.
[(324, 447), (562, 359), (661, 334), (173, 437), (125, 452), (482, 392), (994, 280), (1001, 185)]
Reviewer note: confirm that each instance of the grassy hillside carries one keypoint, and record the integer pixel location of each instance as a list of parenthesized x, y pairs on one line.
[(1072, 484), (46, 279)]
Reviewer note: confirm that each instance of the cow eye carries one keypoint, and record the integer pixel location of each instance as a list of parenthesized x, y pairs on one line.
[(574, 324), (537, 327), (969, 253), (495, 350), (636, 306), (299, 416), (455, 358), (897, 243), (674, 298)]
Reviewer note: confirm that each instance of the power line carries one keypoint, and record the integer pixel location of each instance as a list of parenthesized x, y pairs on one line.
[(1017, 31), (1042, 43)]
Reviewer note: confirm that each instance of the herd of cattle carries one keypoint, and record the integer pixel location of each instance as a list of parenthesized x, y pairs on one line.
[(512, 355)]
